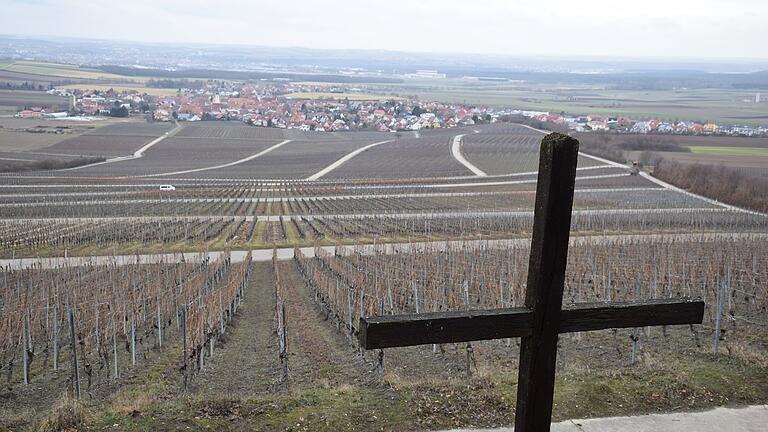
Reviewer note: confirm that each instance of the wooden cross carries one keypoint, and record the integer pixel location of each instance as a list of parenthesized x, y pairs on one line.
[(542, 319)]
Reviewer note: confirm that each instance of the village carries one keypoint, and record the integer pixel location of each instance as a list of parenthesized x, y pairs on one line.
[(311, 107)]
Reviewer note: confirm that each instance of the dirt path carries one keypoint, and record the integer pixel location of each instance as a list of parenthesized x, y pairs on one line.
[(246, 362), (343, 160), (459, 156), (318, 353), (286, 253)]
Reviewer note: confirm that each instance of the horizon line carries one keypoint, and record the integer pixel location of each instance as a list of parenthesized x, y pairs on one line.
[(587, 57)]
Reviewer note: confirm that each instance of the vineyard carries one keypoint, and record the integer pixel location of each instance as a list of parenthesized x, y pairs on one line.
[(235, 299), (93, 317), (112, 140), (728, 275)]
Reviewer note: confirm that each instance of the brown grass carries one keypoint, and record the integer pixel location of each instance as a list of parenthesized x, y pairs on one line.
[(47, 164), (721, 183), (67, 415)]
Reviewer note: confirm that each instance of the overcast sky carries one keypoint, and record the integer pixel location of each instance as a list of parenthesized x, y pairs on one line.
[(647, 28)]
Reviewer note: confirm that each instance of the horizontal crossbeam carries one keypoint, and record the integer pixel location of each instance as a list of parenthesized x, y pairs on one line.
[(390, 331)]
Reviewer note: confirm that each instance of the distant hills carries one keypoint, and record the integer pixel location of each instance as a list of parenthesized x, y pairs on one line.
[(242, 75), (243, 62)]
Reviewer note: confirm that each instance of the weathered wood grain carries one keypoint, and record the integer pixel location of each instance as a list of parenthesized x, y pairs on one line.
[(546, 275), (447, 327)]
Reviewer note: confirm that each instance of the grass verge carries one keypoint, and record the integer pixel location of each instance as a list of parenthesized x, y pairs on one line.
[(661, 382), (730, 151)]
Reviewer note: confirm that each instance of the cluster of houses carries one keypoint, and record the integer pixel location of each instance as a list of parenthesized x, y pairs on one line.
[(386, 116), (620, 124), (273, 108), (297, 106), (40, 112), (693, 128)]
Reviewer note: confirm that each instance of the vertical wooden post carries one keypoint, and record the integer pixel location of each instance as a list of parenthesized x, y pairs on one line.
[(114, 346), (350, 299), (56, 333), (185, 349), (283, 340), (546, 275), (25, 347), (133, 341), (159, 323), (97, 312), (718, 317), (416, 297), (75, 368), (222, 327), (201, 327), (633, 354), (635, 337)]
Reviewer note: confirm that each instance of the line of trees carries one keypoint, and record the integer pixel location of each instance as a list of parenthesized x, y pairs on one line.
[(175, 83), (25, 86), (649, 143), (725, 184), (722, 183), (612, 146), (46, 164)]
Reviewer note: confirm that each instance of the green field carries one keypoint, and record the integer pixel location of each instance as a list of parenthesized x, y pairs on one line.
[(722, 106), (730, 151), (57, 70), (16, 137), (12, 101), (155, 91)]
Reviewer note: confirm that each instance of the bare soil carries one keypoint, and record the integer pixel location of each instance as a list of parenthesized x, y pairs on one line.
[(319, 354), (21, 135), (245, 362)]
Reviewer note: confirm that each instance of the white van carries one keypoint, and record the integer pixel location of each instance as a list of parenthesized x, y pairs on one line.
[(167, 188)]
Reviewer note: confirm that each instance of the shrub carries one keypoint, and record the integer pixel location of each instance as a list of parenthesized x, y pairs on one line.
[(650, 143), (46, 164), (724, 184)]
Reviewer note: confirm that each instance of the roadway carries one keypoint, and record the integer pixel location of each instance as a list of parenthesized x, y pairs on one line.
[(369, 249), (414, 215)]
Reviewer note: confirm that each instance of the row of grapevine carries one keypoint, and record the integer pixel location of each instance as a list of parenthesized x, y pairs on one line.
[(281, 328), (729, 275), (104, 318), (23, 238)]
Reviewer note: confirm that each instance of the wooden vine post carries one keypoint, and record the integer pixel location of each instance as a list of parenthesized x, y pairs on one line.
[(185, 347), (75, 367), (542, 319), (26, 346)]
